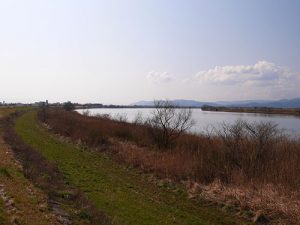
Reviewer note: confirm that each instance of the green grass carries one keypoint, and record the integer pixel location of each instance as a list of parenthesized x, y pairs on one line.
[(5, 111), (124, 194), (4, 171)]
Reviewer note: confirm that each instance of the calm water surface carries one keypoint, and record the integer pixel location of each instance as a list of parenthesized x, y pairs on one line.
[(206, 119)]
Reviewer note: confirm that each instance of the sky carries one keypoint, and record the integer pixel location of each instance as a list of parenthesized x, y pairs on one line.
[(124, 51)]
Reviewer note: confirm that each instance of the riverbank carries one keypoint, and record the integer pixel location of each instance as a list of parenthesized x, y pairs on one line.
[(125, 194), (263, 110), (249, 165)]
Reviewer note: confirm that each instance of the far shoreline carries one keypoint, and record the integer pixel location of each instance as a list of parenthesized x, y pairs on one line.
[(261, 110)]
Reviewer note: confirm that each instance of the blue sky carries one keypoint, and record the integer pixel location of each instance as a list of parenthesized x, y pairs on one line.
[(124, 51)]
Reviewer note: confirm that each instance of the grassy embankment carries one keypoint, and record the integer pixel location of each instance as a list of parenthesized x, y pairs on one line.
[(127, 196), (263, 110), (20, 201)]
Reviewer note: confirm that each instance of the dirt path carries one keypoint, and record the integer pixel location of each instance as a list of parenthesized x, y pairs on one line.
[(21, 202)]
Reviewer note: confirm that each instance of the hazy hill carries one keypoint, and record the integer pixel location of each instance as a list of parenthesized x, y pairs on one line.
[(178, 102), (283, 103)]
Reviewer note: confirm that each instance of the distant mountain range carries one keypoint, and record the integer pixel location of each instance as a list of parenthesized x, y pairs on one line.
[(283, 103)]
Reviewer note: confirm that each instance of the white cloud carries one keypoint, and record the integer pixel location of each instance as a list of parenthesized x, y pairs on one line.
[(159, 77), (261, 73)]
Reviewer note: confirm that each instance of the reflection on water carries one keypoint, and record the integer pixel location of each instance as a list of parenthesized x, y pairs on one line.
[(205, 119)]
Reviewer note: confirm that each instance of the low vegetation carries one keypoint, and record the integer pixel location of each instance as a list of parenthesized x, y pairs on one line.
[(168, 123), (254, 159), (126, 195)]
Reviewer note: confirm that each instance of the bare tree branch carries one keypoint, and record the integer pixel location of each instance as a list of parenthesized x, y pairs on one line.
[(169, 122)]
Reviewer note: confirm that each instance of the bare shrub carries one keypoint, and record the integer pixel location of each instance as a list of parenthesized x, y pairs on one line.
[(86, 112), (168, 122), (102, 116), (249, 147), (138, 119), (121, 117)]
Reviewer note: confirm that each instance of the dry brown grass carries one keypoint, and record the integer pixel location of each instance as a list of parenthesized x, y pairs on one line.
[(283, 207)]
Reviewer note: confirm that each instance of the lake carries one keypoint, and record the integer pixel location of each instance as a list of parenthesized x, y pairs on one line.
[(206, 119)]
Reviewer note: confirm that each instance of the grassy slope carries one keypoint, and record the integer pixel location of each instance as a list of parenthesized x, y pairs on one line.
[(125, 195), (27, 198)]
